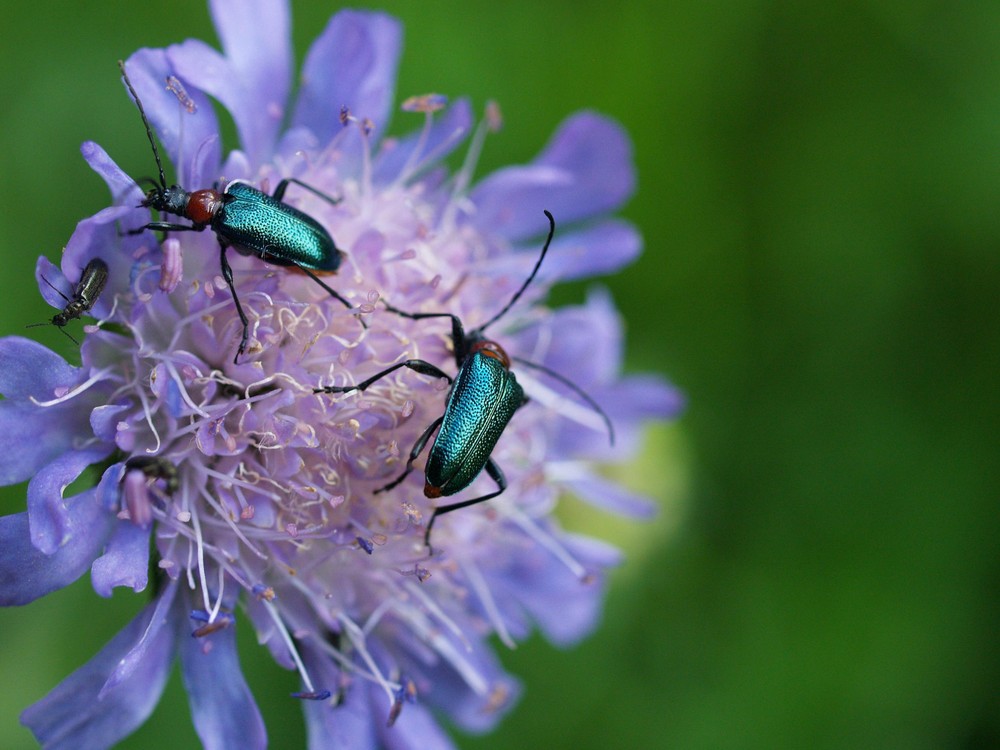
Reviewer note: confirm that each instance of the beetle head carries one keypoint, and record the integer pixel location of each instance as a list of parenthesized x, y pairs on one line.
[(490, 349)]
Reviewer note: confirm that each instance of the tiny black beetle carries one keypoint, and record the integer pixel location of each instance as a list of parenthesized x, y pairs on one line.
[(91, 284)]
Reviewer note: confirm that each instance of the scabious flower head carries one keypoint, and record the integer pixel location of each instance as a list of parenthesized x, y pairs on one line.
[(251, 496)]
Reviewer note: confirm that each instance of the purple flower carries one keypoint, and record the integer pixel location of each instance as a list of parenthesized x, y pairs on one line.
[(258, 493)]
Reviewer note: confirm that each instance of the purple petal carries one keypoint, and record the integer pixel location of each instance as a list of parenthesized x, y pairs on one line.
[(237, 166), (161, 615), (181, 132), (125, 562), (473, 711), (40, 435), (267, 632), (52, 284), (348, 725), (584, 171), (352, 64), (610, 496), (28, 369), (79, 715), (446, 133), (580, 342), (100, 236), (297, 613), (124, 190), (222, 707), (647, 397), (27, 574), (104, 420), (630, 402), (252, 76), (595, 250), (584, 344), (563, 606), (601, 249), (54, 520), (415, 729), (109, 492)]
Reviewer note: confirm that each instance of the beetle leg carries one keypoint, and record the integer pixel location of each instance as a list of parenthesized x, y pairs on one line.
[(458, 338), (279, 195), (166, 226), (415, 451), (279, 192), (495, 474), (417, 365), (330, 291), (227, 274)]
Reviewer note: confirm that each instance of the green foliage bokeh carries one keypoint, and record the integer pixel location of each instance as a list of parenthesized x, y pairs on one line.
[(816, 192)]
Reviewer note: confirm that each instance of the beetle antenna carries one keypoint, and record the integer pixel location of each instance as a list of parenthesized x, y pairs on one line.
[(534, 271), (67, 335), (53, 289), (50, 323), (576, 389), (145, 121), (150, 180)]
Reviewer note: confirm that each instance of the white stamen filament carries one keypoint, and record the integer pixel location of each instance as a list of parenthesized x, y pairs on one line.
[(478, 583), (73, 393), (357, 638)]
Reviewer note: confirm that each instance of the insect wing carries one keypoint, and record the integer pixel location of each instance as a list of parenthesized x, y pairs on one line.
[(92, 281), (274, 231), (482, 401)]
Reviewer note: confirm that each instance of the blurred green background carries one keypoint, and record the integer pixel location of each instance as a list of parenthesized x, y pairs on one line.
[(818, 193)]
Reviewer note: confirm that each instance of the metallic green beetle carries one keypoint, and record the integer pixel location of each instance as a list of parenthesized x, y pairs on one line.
[(243, 217), (482, 400)]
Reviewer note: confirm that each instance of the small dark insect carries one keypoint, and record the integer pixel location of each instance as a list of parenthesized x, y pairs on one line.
[(156, 467), (246, 219), (88, 289), (483, 398)]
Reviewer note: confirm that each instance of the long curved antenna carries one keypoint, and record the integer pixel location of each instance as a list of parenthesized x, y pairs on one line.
[(53, 321), (534, 271), (52, 286), (50, 323), (145, 121), (576, 389)]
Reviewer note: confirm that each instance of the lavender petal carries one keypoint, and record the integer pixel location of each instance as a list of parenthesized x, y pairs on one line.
[(124, 190), (347, 725), (28, 369), (79, 714), (54, 520), (161, 617), (27, 574), (353, 63), (416, 728), (125, 561), (585, 170), (222, 707), (253, 74), (610, 496), (563, 606), (41, 436), (447, 133), (180, 131), (595, 250)]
